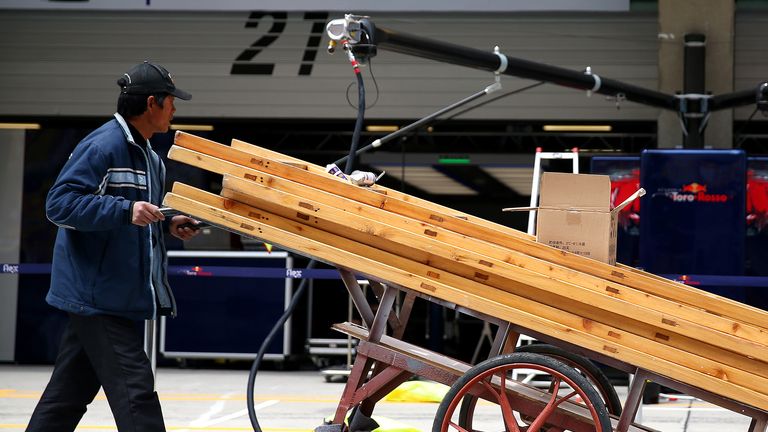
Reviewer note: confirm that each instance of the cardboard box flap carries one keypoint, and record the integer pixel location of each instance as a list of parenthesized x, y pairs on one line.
[(573, 209), (640, 192), (519, 208), (576, 191)]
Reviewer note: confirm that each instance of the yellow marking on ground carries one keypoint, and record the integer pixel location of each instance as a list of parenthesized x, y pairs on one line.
[(202, 397), (242, 397), (14, 394)]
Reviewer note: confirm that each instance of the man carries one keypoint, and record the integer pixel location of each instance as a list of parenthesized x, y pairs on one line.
[(109, 260)]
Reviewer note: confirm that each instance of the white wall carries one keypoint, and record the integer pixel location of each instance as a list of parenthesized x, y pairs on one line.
[(66, 63)]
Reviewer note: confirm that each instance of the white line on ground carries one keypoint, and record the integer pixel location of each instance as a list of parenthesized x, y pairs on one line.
[(205, 419), (215, 409), (237, 414), (651, 408)]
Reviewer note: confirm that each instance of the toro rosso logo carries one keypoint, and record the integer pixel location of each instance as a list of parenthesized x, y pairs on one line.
[(695, 192)]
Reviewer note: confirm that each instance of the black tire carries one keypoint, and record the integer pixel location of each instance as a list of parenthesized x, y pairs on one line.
[(586, 367), (579, 383)]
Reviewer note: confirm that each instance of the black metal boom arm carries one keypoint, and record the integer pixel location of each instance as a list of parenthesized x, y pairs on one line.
[(365, 38), (496, 62)]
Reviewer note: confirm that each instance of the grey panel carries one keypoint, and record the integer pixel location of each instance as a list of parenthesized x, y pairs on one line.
[(750, 57), (11, 187), (66, 63)]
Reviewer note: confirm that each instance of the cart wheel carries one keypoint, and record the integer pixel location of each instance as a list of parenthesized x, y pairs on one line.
[(584, 366), (522, 417)]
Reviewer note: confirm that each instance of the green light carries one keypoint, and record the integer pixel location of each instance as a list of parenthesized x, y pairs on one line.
[(454, 161)]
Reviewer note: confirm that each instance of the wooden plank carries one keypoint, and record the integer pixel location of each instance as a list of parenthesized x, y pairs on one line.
[(269, 218), (504, 237), (739, 362), (604, 303), (567, 327), (261, 151), (218, 165), (572, 305)]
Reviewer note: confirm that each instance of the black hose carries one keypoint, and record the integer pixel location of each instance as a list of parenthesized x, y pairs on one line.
[(267, 341), (433, 118), (352, 158), (348, 167), (415, 125)]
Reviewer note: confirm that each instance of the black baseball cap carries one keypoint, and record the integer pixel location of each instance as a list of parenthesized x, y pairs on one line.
[(148, 78)]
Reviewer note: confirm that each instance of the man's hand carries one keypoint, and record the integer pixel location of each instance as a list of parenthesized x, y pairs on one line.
[(184, 233), (145, 213)]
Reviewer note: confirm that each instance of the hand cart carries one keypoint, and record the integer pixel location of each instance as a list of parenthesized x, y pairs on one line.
[(704, 345)]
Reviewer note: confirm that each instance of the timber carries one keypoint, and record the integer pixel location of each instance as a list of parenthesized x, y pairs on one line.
[(544, 318), (599, 303), (670, 329), (560, 311), (460, 223), (483, 265), (260, 151)]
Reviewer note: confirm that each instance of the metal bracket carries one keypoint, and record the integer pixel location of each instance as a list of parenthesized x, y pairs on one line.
[(619, 98), (693, 104), (503, 62), (596, 77)]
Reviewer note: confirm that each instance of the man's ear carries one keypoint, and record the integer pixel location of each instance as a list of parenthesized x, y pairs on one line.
[(150, 101)]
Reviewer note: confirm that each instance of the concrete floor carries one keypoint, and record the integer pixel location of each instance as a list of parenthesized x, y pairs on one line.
[(214, 400)]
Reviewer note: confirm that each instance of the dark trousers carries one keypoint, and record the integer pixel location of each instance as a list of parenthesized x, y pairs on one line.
[(100, 351)]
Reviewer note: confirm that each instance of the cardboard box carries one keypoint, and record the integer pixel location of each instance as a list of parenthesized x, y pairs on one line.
[(575, 214)]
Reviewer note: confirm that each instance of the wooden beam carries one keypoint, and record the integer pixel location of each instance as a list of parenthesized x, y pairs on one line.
[(543, 318), (725, 324), (261, 151), (666, 318), (504, 237), (572, 305)]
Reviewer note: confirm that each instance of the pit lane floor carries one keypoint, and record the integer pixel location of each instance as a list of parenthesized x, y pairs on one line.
[(288, 401)]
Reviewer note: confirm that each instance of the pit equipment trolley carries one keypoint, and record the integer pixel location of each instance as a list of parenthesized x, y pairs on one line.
[(699, 343)]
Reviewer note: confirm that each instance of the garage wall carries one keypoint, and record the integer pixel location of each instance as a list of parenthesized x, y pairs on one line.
[(750, 56), (11, 187), (66, 62)]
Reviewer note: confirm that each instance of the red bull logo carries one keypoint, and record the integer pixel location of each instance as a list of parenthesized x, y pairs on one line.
[(694, 188)]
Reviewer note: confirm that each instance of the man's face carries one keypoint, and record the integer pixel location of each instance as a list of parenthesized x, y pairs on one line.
[(160, 117)]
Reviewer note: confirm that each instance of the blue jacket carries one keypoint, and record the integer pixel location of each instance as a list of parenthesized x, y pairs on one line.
[(101, 261)]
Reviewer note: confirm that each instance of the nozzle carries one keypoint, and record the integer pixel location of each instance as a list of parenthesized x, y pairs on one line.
[(331, 46)]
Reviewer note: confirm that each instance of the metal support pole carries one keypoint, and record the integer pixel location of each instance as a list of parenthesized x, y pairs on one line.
[(693, 83), (379, 326), (758, 425), (634, 400), (358, 297)]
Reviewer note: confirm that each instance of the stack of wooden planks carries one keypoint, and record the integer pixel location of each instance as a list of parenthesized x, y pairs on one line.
[(670, 329)]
